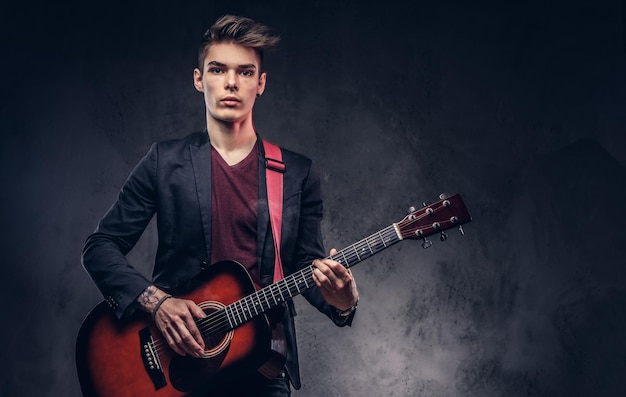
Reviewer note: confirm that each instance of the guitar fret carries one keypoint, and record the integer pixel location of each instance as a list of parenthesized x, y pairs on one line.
[(379, 244), (344, 258), (256, 304), (242, 311), (249, 305), (233, 310), (296, 285), (356, 252), (280, 291), (273, 296), (246, 307), (237, 313), (264, 305), (248, 302), (382, 239), (303, 280), (363, 249), (228, 316)]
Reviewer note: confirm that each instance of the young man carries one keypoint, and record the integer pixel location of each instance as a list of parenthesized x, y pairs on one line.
[(209, 193)]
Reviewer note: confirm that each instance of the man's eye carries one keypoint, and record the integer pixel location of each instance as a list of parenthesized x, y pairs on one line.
[(216, 70), (247, 73)]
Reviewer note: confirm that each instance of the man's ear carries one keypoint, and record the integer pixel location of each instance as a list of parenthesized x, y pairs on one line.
[(197, 79), (262, 82)]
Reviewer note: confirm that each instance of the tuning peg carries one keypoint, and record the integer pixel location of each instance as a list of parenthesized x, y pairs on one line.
[(461, 230), (443, 236), (443, 196), (426, 243), (412, 209)]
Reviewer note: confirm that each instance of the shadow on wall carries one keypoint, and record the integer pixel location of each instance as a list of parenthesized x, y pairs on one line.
[(566, 331)]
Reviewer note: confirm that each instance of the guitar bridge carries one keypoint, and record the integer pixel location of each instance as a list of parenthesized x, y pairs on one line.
[(150, 358)]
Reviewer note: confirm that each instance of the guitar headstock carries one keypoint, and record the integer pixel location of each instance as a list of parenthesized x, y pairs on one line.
[(437, 217)]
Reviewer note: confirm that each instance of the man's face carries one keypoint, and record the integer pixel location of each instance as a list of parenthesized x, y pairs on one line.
[(230, 82)]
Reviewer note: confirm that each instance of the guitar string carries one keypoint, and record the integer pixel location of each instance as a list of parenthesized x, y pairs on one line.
[(216, 323)]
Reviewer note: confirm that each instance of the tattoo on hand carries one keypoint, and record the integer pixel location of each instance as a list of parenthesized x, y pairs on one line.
[(147, 296)]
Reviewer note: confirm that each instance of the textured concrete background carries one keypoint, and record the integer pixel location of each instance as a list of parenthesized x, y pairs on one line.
[(520, 108)]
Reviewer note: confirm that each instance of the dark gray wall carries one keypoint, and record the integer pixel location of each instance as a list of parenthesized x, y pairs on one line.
[(521, 108)]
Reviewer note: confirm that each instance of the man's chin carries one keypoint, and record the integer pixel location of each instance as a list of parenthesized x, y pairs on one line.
[(228, 117)]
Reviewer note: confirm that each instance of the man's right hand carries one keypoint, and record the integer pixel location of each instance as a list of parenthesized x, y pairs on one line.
[(175, 318)]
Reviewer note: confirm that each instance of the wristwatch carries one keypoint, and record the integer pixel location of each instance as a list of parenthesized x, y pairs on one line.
[(348, 311)]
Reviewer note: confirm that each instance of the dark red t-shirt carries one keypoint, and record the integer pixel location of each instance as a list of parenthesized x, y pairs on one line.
[(234, 200)]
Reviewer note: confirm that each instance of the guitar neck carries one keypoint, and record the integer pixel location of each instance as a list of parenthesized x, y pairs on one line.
[(261, 301)]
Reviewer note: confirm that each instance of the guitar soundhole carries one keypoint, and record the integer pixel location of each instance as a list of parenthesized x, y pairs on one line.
[(216, 336)]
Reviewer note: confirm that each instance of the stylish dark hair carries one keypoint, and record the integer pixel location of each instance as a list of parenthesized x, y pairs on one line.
[(239, 30)]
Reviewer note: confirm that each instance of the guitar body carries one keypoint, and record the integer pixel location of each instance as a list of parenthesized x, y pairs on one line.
[(131, 358)]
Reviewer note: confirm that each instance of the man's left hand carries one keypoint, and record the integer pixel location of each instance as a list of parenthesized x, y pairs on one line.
[(336, 283)]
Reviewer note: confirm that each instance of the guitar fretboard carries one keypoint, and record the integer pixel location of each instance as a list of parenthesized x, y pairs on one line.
[(269, 297)]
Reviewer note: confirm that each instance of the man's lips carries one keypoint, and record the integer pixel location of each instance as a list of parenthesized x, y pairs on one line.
[(230, 101)]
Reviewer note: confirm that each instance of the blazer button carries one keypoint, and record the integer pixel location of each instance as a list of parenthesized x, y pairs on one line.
[(204, 266)]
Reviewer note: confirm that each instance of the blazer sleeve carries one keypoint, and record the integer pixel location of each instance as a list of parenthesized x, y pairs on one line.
[(310, 244), (104, 252)]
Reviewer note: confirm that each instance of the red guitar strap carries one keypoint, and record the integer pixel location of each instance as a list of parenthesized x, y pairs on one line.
[(274, 170)]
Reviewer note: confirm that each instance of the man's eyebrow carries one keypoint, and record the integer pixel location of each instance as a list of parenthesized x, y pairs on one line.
[(222, 65)]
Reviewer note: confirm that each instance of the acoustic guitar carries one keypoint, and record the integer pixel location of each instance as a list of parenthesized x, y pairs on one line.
[(131, 358)]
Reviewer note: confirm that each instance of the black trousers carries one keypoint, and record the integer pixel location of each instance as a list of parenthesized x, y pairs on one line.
[(254, 385)]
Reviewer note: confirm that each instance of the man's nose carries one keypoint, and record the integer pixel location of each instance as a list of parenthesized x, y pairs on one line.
[(231, 80)]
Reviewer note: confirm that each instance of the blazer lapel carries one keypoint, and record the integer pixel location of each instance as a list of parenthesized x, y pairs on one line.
[(201, 162)]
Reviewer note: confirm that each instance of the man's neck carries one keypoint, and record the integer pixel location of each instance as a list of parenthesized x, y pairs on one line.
[(233, 141)]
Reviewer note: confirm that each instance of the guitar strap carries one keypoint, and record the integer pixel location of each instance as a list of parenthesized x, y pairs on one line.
[(274, 170)]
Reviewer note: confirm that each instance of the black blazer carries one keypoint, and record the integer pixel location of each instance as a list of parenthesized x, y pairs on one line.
[(173, 181)]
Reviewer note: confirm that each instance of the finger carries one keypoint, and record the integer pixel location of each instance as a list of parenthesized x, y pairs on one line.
[(188, 341), (181, 338), (170, 337), (327, 281), (335, 263), (323, 270), (192, 326), (164, 324), (320, 278), (336, 272), (196, 310), (190, 337)]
